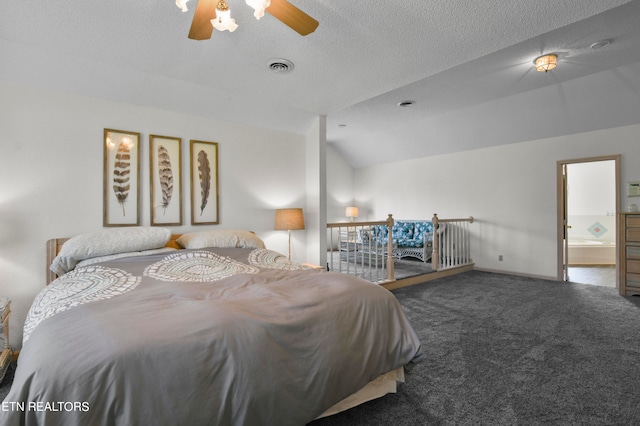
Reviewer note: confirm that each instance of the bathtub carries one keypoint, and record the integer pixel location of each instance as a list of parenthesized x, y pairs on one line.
[(591, 252)]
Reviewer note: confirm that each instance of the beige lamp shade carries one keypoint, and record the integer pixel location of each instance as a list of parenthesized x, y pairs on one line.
[(288, 220), (352, 212)]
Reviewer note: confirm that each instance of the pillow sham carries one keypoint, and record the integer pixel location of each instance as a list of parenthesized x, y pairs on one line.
[(220, 238), (107, 242), (99, 259)]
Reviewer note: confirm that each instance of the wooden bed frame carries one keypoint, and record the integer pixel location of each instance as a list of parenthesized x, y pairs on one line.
[(55, 244)]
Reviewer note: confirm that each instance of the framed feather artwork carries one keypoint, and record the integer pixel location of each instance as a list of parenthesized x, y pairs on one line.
[(121, 192), (166, 180), (204, 182)]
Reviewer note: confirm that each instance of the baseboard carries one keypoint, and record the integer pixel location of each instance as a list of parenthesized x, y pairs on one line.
[(517, 274)]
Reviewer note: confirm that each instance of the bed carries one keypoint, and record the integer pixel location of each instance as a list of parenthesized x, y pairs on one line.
[(222, 331)]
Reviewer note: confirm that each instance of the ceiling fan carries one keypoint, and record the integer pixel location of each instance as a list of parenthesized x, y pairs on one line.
[(212, 14)]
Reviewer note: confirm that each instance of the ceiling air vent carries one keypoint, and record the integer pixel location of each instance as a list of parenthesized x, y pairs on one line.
[(280, 66)]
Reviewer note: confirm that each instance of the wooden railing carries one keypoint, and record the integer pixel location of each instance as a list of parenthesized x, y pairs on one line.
[(352, 250), (451, 243)]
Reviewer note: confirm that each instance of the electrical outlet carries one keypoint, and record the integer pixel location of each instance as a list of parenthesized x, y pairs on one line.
[(499, 258)]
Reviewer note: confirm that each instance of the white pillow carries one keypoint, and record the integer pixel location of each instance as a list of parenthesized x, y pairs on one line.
[(100, 259), (220, 238), (106, 242)]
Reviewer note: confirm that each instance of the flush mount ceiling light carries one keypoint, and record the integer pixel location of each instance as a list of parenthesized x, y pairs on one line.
[(216, 14), (546, 63)]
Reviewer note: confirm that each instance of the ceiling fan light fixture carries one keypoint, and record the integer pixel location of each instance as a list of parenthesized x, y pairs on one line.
[(259, 6), (182, 4), (546, 63), (223, 20), (202, 25)]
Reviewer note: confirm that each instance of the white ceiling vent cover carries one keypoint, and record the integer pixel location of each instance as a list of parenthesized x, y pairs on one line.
[(280, 66)]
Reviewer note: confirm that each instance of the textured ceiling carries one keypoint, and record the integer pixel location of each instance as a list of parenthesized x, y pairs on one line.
[(466, 63)]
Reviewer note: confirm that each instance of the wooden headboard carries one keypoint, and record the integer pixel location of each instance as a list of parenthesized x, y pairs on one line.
[(55, 244)]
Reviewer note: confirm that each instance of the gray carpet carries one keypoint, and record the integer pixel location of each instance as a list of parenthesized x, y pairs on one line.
[(504, 350)]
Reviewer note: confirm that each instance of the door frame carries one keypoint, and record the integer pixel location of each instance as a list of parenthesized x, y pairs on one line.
[(561, 203)]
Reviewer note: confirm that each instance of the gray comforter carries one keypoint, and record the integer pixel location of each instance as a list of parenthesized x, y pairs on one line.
[(240, 337)]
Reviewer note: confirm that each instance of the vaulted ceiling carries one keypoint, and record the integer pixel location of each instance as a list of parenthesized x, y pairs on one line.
[(467, 65)]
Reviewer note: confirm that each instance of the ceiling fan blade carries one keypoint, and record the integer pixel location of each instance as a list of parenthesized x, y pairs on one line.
[(201, 28), (293, 17)]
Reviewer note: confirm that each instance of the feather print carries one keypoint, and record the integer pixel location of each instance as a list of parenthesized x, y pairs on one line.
[(205, 178), (121, 173), (166, 176)]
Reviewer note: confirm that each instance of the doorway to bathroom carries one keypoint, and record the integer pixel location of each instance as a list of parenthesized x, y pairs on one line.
[(589, 193)]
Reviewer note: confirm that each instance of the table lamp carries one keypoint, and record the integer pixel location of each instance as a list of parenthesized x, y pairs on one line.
[(289, 220), (352, 212)]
